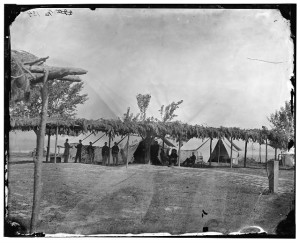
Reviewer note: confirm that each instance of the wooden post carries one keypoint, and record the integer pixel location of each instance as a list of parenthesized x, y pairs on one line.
[(259, 151), (48, 147), (219, 151), (56, 135), (273, 171), (266, 150), (179, 151), (109, 141), (231, 152), (37, 190), (35, 156), (210, 151), (245, 157), (127, 151)]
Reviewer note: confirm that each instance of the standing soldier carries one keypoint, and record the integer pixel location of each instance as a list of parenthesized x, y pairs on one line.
[(115, 153), (105, 153), (78, 152), (173, 157), (67, 151), (90, 151)]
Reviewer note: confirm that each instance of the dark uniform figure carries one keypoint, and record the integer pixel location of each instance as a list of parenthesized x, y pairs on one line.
[(173, 157), (115, 152), (190, 161), (67, 151), (105, 154), (90, 150), (154, 149), (163, 157), (78, 152)]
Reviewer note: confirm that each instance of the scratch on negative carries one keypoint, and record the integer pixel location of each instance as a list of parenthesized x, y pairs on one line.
[(263, 60)]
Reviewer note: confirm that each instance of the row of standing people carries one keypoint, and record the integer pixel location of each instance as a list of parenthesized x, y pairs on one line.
[(90, 152), (170, 159)]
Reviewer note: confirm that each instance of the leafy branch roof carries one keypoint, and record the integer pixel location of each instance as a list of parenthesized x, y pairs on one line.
[(119, 127)]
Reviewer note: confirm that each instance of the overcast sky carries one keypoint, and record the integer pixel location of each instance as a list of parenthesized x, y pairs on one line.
[(203, 57)]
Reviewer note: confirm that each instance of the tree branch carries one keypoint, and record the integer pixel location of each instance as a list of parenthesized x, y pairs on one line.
[(70, 78), (43, 59), (58, 72)]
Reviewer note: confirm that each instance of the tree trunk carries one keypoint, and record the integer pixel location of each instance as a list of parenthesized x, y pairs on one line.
[(56, 135), (275, 153), (48, 147), (230, 152), (210, 151), (245, 157), (35, 155), (37, 190)]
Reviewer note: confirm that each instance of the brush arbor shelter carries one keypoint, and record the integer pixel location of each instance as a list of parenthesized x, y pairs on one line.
[(28, 70)]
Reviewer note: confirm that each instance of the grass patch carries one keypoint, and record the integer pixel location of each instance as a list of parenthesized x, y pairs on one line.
[(93, 199)]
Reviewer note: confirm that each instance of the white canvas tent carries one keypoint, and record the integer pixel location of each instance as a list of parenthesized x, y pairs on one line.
[(134, 142), (222, 152), (197, 146), (255, 151), (288, 157), (201, 148)]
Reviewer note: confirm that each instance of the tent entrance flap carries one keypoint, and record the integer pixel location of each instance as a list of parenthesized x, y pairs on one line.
[(224, 154)]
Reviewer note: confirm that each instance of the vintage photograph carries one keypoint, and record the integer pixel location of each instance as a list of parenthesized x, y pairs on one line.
[(150, 120)]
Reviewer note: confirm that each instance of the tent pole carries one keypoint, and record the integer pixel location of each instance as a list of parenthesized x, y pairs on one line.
[(86, 137), (122, 138), (231, 152), (99, 138), (56, 135), (127, 150)]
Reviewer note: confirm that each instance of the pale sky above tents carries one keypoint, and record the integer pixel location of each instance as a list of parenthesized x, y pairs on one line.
[(203, 57)]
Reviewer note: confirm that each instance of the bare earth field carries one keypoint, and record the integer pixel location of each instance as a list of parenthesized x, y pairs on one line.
[(94, 199)]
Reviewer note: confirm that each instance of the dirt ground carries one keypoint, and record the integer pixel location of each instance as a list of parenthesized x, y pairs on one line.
[(92, 199)]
